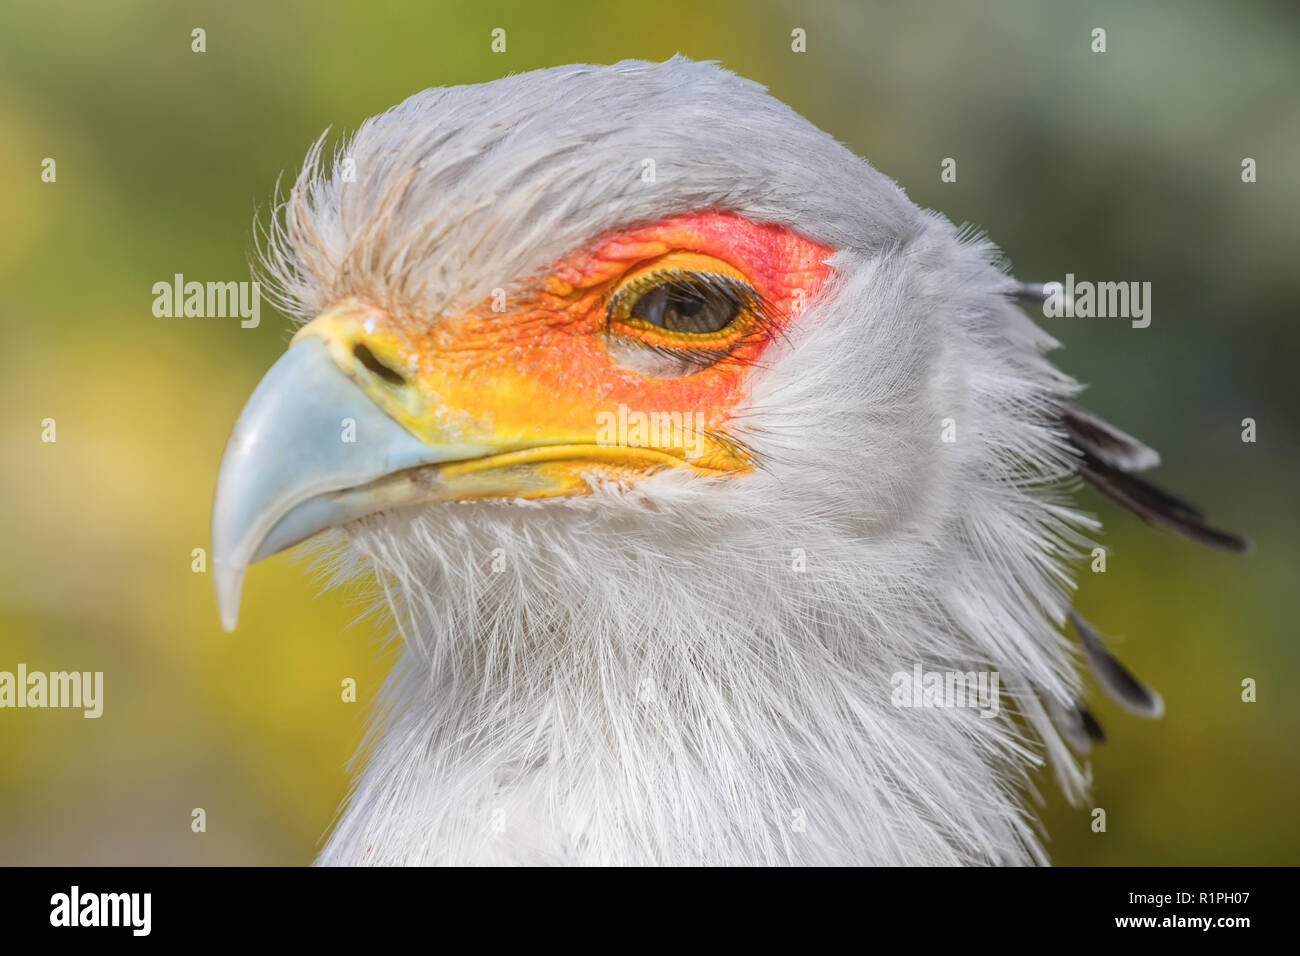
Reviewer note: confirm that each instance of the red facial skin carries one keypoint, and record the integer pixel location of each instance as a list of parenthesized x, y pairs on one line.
[(786, 270)]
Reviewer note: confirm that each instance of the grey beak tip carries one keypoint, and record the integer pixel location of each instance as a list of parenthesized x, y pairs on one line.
[(285, 453), (229, 618), (228, 585)]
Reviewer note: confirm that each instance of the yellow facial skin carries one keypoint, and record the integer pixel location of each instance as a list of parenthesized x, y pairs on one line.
[(477, 395)]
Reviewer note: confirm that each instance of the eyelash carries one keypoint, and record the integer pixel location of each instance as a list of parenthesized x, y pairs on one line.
[(744, 297)]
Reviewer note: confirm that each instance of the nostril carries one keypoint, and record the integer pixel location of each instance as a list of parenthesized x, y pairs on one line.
[(368, 359)]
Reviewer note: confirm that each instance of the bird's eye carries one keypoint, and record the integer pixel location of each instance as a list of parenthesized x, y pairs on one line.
[(693, 303), (684, 301)]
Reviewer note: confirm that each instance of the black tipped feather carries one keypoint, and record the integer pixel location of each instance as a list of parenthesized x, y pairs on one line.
[(1115, 679), (1077, 726), (1091, 727), (1105, 442), (1156, 507), (1029, 292), (1107, 459)]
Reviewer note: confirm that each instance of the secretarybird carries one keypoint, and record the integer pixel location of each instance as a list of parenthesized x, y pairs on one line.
[(674, 433)]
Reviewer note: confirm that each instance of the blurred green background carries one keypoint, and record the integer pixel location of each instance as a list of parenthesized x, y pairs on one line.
[(1123, 165)]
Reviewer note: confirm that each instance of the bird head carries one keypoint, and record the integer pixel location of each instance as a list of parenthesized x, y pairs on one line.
[(646, 280)]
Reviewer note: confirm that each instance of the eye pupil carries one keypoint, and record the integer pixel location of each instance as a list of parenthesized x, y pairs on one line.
[(687, 303)]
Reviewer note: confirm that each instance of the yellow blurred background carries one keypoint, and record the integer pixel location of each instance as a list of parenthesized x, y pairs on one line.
[(1122, 165)]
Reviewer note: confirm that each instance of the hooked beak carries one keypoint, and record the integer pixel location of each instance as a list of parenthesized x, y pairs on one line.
[(319, 444), (307, 453)]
